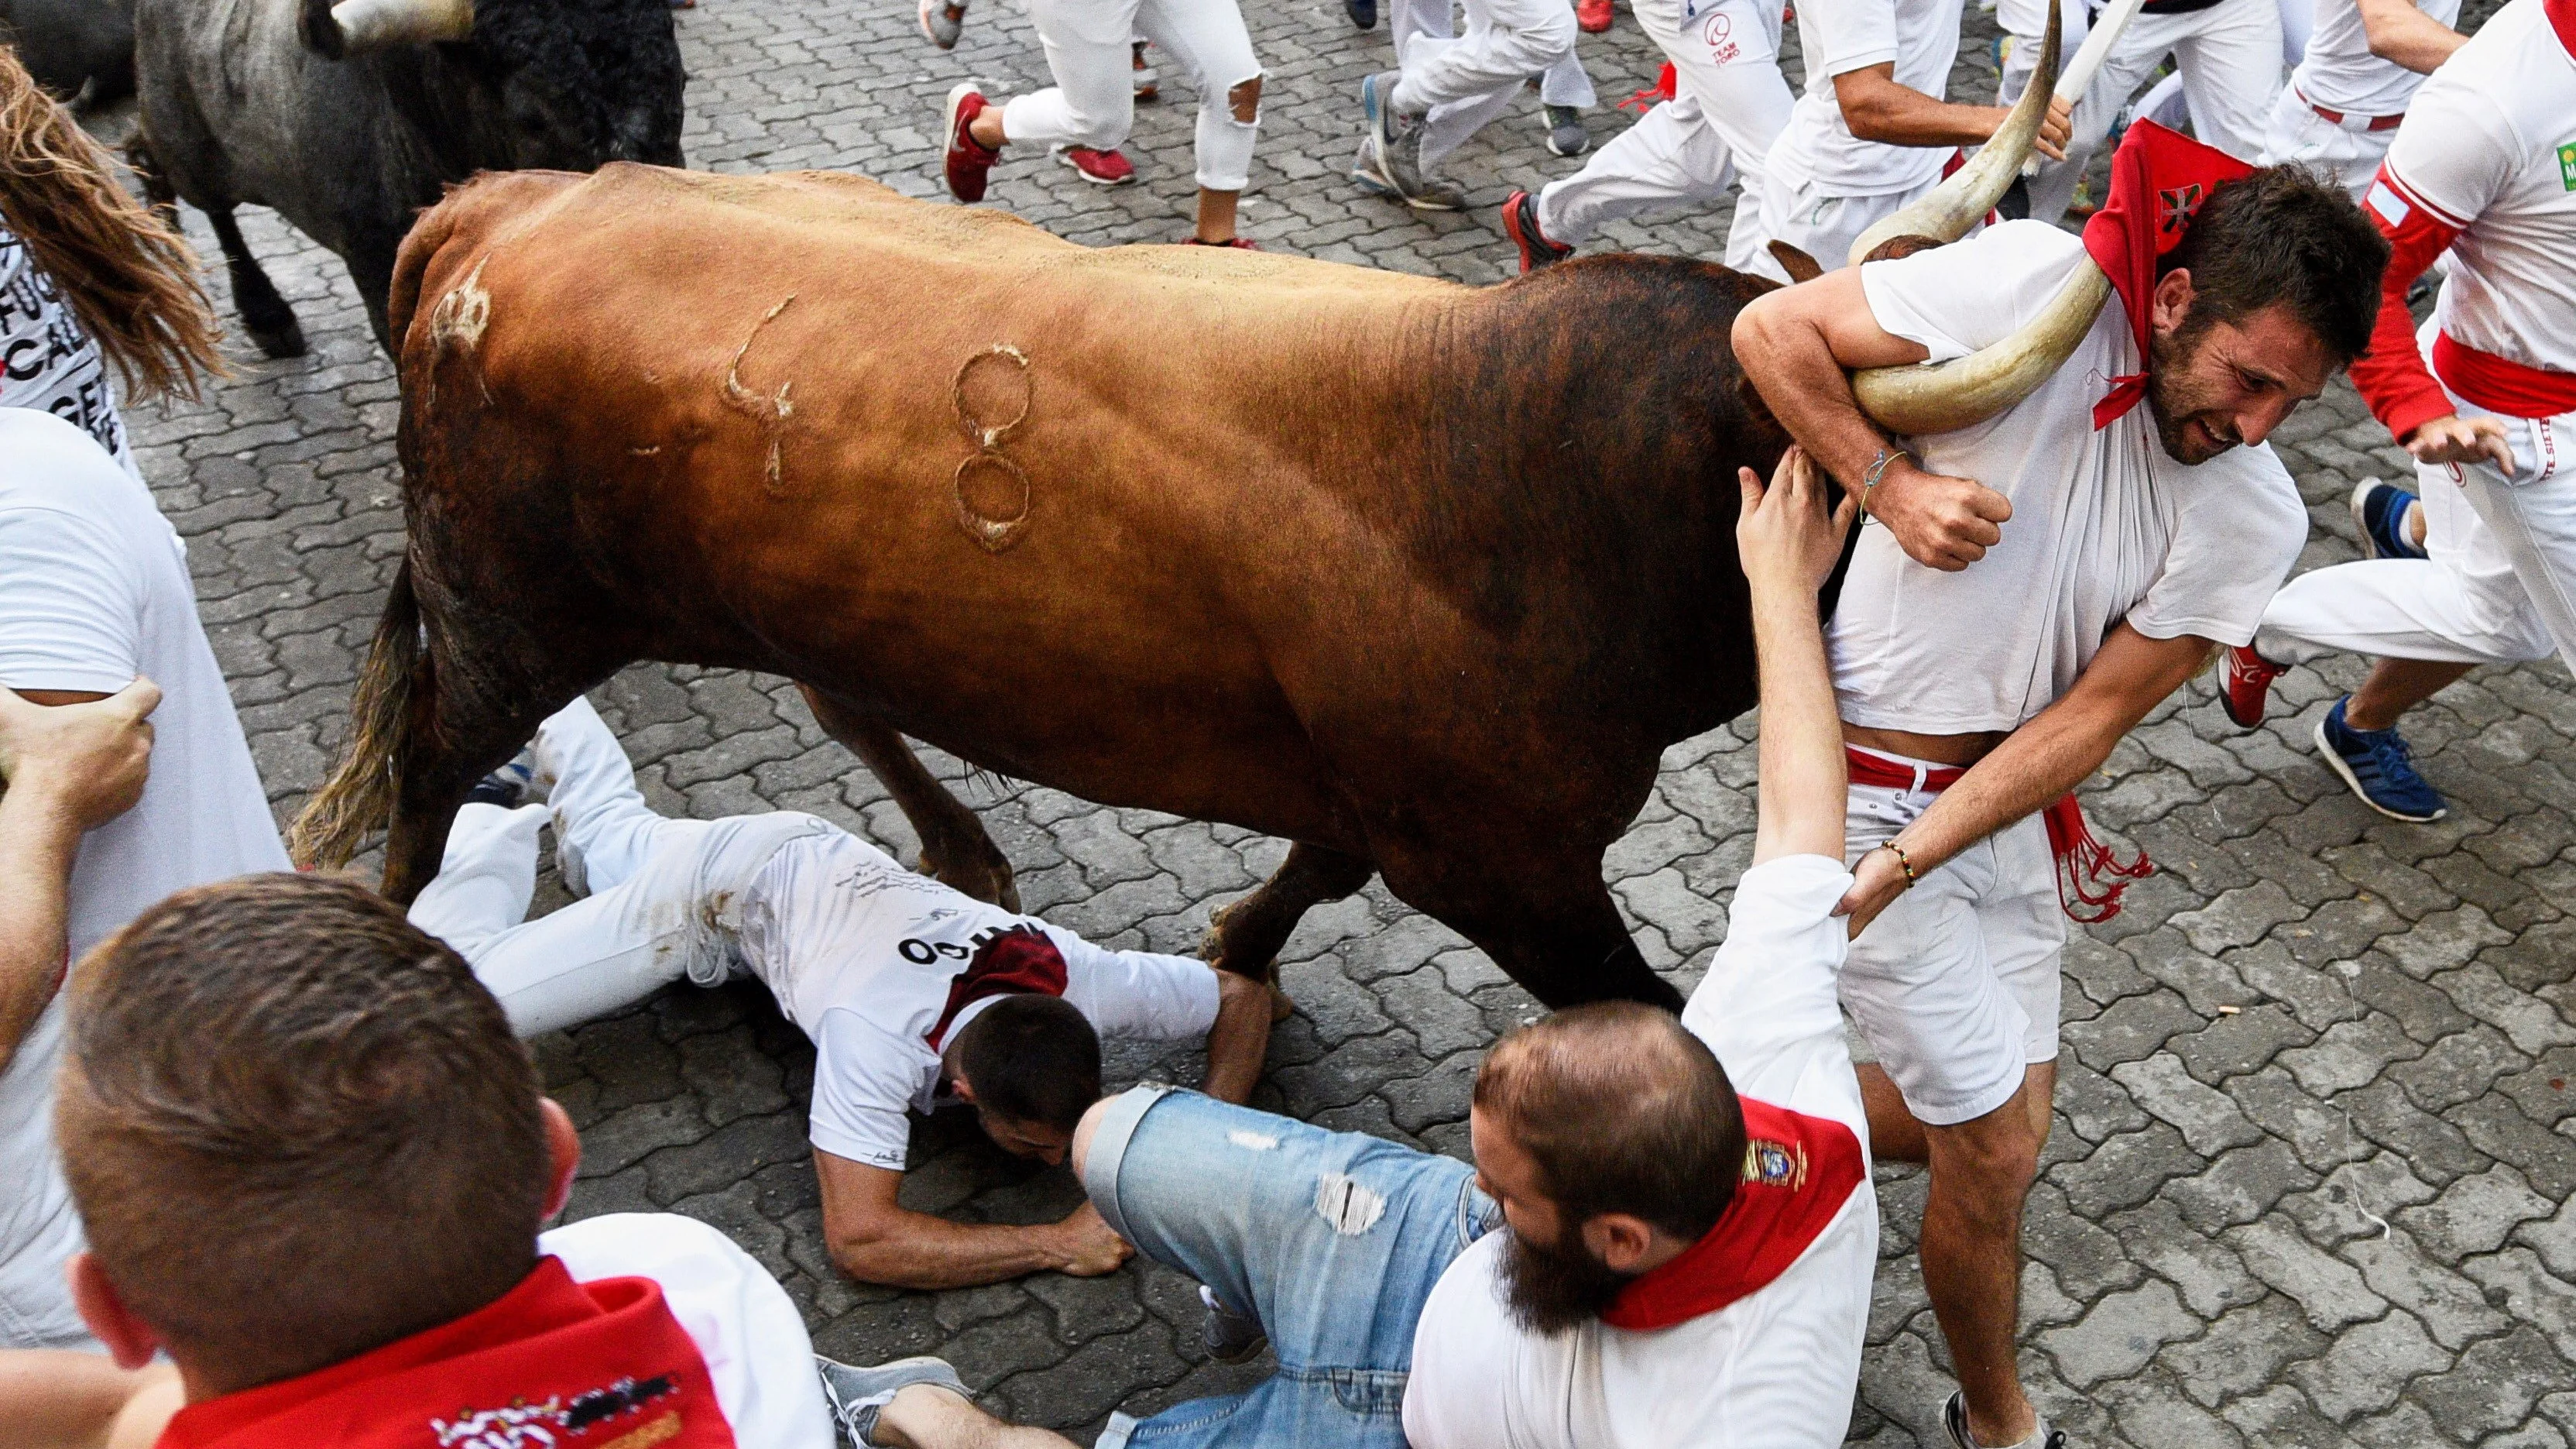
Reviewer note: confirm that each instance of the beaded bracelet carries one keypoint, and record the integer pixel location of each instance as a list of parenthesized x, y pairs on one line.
[(1904, 862)]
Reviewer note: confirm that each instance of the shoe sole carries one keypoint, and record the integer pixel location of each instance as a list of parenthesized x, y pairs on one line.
[(2352, 782), (1372, 172), (1532, 257), (1555, 150)]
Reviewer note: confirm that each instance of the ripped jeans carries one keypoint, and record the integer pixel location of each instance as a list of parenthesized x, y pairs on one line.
[(1332, 1240)]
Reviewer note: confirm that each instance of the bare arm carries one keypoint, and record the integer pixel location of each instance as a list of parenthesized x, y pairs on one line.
[(1788, 544), (59, 1399), (70, 768), (928, 1416), (2407, 36), (1876, 108), (2037, 763), (1797, 345), (875, 1239), (1239, 1043)]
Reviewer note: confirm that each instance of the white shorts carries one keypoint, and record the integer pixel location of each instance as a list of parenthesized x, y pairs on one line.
[(1955, 985)]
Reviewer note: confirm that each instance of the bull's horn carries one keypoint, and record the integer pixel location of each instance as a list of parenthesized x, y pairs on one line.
[(1972, 190), (1965, 391), (366, 25)]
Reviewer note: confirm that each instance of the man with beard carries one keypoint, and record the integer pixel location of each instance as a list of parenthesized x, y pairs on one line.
[(1668, 1236), (2044, 578)]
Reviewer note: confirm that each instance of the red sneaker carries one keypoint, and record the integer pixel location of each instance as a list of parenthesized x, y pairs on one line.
[(1100, 168), (1520, 223), (969, 162), (1592, 15), (2244, 678)]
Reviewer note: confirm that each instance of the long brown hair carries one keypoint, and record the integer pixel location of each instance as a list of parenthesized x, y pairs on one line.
[(130, 279)]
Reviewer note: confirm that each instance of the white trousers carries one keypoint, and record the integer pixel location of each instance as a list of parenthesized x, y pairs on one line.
[(666, 896), (1823, 226), (1464, 82), (1089, 50), (2461, 605), (2349, 153), (2229, 56), (1956, 985), (1730, 103)]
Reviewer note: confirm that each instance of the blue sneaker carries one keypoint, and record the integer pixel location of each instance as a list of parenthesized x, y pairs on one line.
[(2385, 514), (2379, 768)]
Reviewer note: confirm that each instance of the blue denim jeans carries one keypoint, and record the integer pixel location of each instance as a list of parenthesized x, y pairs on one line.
[(1331, 1239)]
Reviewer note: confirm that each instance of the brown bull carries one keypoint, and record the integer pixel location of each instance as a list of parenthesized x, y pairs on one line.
[(1421, 577)]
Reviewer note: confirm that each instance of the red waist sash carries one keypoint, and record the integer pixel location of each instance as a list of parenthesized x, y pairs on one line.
[(2090, 879), (2501, 386)]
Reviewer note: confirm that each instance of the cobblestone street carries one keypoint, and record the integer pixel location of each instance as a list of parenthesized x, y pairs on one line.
[(2313, 1178)]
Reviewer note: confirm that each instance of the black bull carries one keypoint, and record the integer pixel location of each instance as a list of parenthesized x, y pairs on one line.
[(1423, 578)]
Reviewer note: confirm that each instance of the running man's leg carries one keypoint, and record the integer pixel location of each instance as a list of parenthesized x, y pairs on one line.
[(2231, 71), (1507, 42), (1671, 155), (1332, 1240), (2533, 516), (1090, 52), (604, 832), (1208, 38)]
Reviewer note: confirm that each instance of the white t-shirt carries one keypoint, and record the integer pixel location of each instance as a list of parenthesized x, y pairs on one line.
[(2105, 526), (94, 590), (2489, 145), (745, 1326), (1775, 1369), (1842, 36), (47, 359), (861, 952), (2339, 72)]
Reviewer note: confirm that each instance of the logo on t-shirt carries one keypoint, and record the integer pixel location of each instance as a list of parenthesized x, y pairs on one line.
[(2567, 165)]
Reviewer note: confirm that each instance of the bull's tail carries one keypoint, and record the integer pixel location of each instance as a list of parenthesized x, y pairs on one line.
[(360, 796)]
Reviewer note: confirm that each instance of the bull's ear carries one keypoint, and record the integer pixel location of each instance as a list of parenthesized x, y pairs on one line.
[(321, 32), (1800, 266)]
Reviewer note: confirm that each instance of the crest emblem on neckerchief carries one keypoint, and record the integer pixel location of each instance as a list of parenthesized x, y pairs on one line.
[(1775, 1164)]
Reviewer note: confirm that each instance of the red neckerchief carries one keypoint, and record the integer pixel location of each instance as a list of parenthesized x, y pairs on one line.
[(1798, 1172), (2158, 179), (551, 1364), (2562, 18), (1018, 961)]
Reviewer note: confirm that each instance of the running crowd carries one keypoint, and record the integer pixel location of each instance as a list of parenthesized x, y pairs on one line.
[(275, 1166)]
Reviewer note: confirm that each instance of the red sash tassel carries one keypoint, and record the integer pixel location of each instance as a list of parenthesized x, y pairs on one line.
[(2090, 877)]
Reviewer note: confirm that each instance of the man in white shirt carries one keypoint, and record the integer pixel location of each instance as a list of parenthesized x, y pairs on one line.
[(2350, 90), (1872, 132), (1669, 1235), (2084, 556), (911, 991), (2228, 53), (1728, 103), (94, 593), (2484, 398)]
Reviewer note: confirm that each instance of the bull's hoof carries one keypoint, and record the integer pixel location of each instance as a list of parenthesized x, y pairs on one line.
[(279, 338)]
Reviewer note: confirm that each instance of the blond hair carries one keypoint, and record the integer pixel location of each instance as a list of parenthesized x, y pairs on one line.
[(128, 277)]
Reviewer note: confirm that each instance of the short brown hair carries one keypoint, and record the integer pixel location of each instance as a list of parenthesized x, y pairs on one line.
[(2288, 236), (297, 1127), (1623, 1111)]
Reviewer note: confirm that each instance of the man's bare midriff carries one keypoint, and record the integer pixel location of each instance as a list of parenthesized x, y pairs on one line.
[(1961, 750)]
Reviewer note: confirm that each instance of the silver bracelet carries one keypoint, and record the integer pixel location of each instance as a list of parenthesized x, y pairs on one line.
[(1870, 478)]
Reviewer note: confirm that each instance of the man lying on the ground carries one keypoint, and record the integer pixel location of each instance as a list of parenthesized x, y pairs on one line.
[(1640, 1256), (910, 990)]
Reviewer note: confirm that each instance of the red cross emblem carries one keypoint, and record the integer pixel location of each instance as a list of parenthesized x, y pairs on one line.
[(2179, 203)]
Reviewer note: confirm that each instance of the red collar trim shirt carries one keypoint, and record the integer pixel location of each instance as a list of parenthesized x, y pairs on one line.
[(2485, 168), (1754, 1335), (634, 1331)]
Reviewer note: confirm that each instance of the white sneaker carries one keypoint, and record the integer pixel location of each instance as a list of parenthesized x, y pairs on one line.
[(856, 1394), (943, 21), (1954, 1421)]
